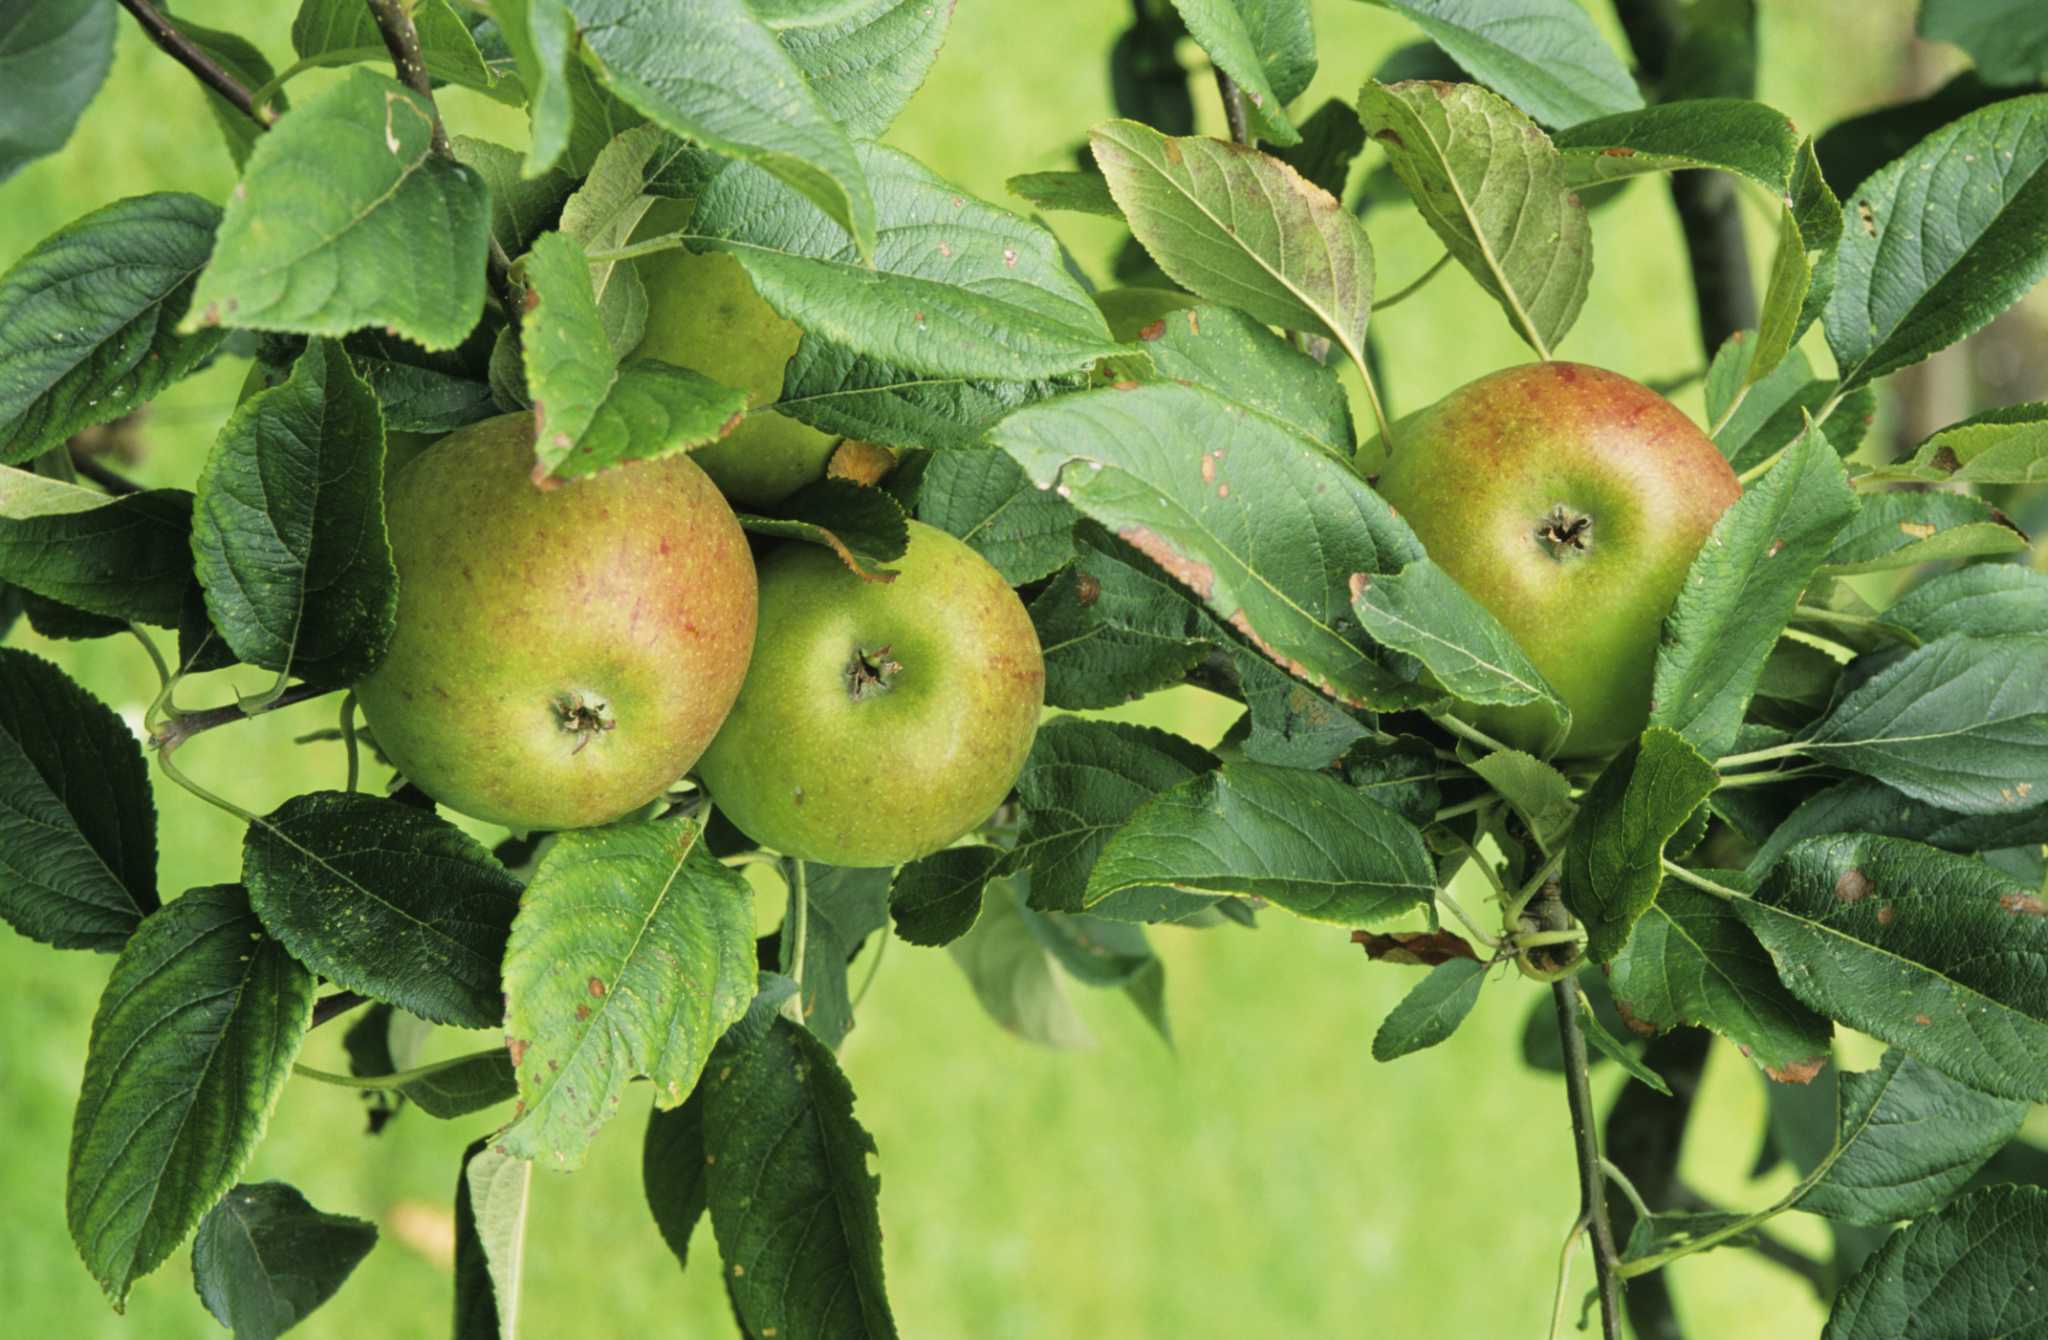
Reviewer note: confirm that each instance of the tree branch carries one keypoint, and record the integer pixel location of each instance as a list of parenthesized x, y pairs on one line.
[(340, 1002), (1233, 107), (209, 71), (188, 724), (117, 484), (1592, 1180), (402, 40)]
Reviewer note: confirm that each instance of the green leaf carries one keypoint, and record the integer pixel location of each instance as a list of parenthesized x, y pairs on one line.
[(846, 907), (1961, 723), (288, 528), (1011, 972), (1273, 572), (1083, 781), (1786, 296), (1494, 190), (387, 900), (1692, 961), (1741, 590), (1903, 529), (1111, 632), (864, 526), (1421, 610), (1266, 46), (1078, 192), (1896, 939), (935, 900), (1614, 857), (125, 558), (417, 399), (674, 1174), (542, 37), (345, 32), (77, 825), (632, 952), (88, 317), (957, 287), (564, 347), (521, 206), (1981, 600), (652, 410), (191, 1045), (1303, 840), (264, 1259), (1538, 791), (709, 71), (2008, 39), (604, 212), (54, 54), (837, 391), (241, 59), (788, 1151), (1731, 134), (1970, 1269), (984, 497), (1961, 222), (1243, 229), (1907, 1137), (1775, 408), (1614, 1049), (1431, 1011), (1852, 149), (346, 218), (1235, 357), (452, 1088), (2004, 446), (1544, 55), (1863, 806), (865, 60), (1293, 726), (1331, 139), (491, 1204)]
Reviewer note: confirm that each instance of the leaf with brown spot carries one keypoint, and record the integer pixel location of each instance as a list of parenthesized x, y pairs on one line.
[(1415, 948)]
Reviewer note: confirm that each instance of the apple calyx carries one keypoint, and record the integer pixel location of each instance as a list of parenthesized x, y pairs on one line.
[(1565, 532), (585, 717), (870, 673)]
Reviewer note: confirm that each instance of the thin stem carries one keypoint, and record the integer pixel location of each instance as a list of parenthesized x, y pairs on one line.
[(874, 965), (1741, 394), (1700, 882), (1533, 886), (1467, 732), (796, 929), (1776, 751), (185, 725), (1413, 285), (1372, 398), (1453, 811), (1843, 617), (402, 40), (1564, 1276), (1586, 1144), (156, 658), (1233, 108), (339, 1003), (118, 485), (1538, 939), (1766, 778), (163, 760), (397, 1079), (348, 738), (209, 71), (1628, 1188)]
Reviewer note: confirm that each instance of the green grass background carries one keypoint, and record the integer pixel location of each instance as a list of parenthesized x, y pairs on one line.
[(1266, 1178)]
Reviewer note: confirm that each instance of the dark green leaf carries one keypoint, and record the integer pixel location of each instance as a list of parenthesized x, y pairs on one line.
[(345, 218), (1303, 840), (1614, 856), (345, 32), (264, 1258), (1293, 726), (53, 56), (386, 900), (1741, 590), (1862, 806), (1330, 141), (847, 906), (1903, 529), (1111, 632), (1961, 723), (864, 526), (1982, 600), (1432, 1011), (1266, 46), (957, 287), (1494, 190), (521, 207), (1078, 192), (1897, 940), (491, 1196), (191, 1045), (1969, 206), (1907, 1138), (984, 497), (866, 59), (1853, 149), (88, 316), (77, 826), (1973, 1269), (935, 900), (1242, 229), (288, 529), (779, 1123), (632, 952), (1421, 610), (2008, 39), (123, 558), (673, 1172), (1732, 134), (1276, 573), (838, 391), (1544, 55), (1691, 961), (1083, 781), (1615, 1050), (710, 71), (1237, 358), (458, 1086)]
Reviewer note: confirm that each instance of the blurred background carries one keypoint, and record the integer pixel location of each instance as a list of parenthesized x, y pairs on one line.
[(1263, 1177)]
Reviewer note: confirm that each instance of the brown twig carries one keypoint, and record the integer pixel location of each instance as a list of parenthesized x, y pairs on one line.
[(402, 40), (209, 71), (1586, 1145), (1233, 107), (116, 484), (188, 724), (341, 1002)]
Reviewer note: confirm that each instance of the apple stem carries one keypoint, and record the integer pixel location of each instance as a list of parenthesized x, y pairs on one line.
[(796, 928)]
